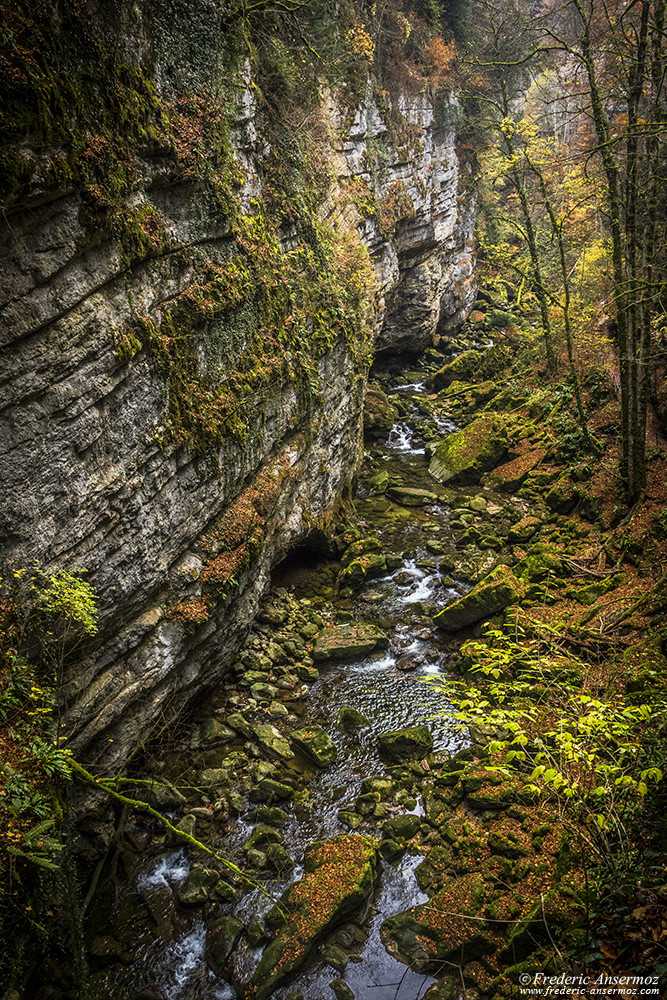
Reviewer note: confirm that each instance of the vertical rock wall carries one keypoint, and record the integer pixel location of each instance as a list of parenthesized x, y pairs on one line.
[(185, 345)]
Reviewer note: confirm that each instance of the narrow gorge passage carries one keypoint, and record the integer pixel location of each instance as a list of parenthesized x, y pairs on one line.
[(387, 687)]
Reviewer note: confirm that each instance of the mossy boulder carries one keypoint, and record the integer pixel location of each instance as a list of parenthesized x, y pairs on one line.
[(345, 642), (562, 498), (198, 886), (464, 456), (162, 795), (361, 568), (339, 877), (410, 743), (524, 529), (268, 789), (461, 369), (496, 591), (411, 496), (414, 938), (316, 744), (211, 733), (380, 414), (351, 719), (272, 741), (510, 475), (221, 939), (401, 827)]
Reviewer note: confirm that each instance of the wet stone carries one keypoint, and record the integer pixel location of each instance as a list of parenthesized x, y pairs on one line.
[(350, 718), (272, 741), (211, 733), (270, 789), (263, 692), (221, 939), (348, 641), (316, 744), (406, 744)]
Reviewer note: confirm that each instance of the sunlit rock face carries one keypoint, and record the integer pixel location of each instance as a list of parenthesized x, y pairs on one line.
[(178, 506)]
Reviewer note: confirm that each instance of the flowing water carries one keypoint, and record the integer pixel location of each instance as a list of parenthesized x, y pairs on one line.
[(388, 689)]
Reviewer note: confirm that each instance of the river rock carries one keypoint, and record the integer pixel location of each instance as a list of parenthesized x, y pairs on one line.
[(316, 744), (344, 642), (221, 939), (240, 724), (211, 733), (350, 718), (268, 789), (340, 988), (401, 827), (197, 886), (162, 795), (463, 456), (263, 692), (339, 877), (411, 496), (496, 591), (349, 818), (272, 741), (406, 744), (264, 834)]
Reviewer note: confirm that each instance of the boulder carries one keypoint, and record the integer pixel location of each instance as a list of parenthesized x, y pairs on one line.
[(524, 529), (496, 591), (461, 369), (197, 886), (221, 939), (162, 795), (339, 877), (463, 456), (349, 718), (361, 568), (272, 741), (411, 496), (240, 724), (406, 744), (510, 475), (316, 744), (379, 414), (344, 642), (263, 692), (341, 989), (268, 789), (401, 827), (211, 733)]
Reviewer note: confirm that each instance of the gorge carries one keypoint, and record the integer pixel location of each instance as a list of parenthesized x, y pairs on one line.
[(332, 642)]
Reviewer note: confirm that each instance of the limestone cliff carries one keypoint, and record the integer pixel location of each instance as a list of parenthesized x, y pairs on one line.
[(195, 268)]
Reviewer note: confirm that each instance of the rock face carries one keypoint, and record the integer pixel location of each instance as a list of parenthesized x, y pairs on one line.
[(432, 251), (181, 401)]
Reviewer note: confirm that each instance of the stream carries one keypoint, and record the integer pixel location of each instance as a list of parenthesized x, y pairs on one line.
[(388, 688)]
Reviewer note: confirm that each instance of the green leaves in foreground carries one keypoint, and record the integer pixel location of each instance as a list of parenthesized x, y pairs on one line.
[(541, 724)]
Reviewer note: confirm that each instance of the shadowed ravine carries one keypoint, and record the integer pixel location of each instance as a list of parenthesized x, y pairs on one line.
[(391, 698)]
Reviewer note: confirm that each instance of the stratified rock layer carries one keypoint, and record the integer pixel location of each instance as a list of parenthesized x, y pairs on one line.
[(155, 432)]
